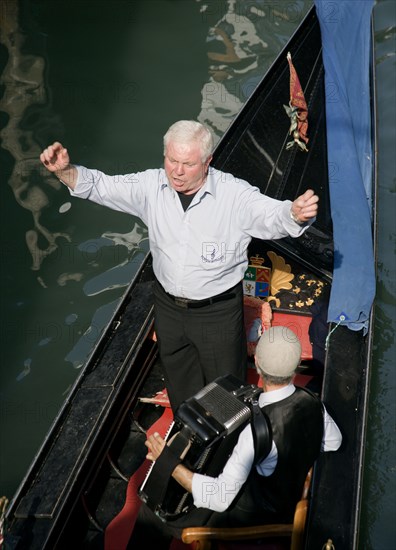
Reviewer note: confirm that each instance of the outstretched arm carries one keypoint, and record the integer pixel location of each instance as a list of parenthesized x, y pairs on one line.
[(305, 207), (56, 159)]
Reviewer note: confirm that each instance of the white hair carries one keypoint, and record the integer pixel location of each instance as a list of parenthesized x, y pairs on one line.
[(190, 131)]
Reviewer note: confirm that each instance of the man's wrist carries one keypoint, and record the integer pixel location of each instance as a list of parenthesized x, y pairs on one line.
[(295, 218), (67, 176)]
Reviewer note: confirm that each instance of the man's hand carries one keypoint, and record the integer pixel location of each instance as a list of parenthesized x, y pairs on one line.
[(56, 159), (181, 474), (155, 445), (305, 207)]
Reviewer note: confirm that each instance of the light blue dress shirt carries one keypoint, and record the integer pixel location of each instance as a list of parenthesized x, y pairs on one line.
[(200, 252)]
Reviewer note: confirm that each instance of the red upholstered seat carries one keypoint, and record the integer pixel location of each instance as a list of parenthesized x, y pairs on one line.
[(299, 324)]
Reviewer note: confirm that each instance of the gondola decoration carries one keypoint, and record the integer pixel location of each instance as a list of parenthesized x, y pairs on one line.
[(297, 110)]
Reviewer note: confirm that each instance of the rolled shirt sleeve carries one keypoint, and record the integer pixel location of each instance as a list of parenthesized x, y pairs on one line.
[(267, 218), (125, 193), (217, 493)]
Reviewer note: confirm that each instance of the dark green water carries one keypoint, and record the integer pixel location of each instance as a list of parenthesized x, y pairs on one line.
[(107, 79), (377, 527)]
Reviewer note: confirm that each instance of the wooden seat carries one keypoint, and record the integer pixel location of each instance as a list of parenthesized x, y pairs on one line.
[(202, 537)]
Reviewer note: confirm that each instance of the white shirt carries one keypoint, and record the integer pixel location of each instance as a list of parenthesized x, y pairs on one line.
[(202, 251), (218, 493)]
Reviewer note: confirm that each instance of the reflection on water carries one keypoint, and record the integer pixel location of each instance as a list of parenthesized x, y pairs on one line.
[(63, 274), (241, 44), (23, 79)]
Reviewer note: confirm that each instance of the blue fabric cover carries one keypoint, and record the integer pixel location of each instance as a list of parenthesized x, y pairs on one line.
[(346, 37)]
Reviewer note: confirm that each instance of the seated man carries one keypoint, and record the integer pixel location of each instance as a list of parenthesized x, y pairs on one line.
[(246, 493)]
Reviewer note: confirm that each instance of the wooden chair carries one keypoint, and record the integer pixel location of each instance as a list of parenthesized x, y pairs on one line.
[(202, 537)]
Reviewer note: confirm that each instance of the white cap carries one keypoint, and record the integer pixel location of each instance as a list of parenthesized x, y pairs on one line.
[(278, 352)]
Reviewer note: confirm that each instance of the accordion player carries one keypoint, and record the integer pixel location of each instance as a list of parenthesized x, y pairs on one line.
[(204, 432)]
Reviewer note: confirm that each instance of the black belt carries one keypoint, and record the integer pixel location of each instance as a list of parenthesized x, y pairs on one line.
[(187, 303)]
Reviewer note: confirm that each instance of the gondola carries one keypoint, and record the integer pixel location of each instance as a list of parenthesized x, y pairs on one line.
[(77, 483)]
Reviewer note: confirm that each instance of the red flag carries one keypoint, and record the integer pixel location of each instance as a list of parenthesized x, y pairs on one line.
[(297, 110)]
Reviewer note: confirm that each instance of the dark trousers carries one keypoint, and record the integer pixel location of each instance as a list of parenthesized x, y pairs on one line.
[(151, 532), (198, 345)]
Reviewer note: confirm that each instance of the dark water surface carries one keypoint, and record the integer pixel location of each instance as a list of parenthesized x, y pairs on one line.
[(107, 79), (377, 527)]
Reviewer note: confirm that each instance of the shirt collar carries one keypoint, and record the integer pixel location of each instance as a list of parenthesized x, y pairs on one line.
[(276, 395), (208, 187)]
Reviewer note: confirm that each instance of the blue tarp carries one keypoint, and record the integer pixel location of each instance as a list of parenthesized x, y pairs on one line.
[(346, 37)]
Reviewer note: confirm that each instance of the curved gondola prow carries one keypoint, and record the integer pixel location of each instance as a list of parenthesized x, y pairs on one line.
[(255, 145)]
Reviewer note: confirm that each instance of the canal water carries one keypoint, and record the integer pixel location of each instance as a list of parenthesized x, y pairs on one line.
[(107, 79)]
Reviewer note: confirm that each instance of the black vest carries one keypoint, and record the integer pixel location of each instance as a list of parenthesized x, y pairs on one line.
[(297, 429)]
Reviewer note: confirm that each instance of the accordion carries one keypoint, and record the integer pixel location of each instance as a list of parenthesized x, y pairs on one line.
[(204, 432)]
